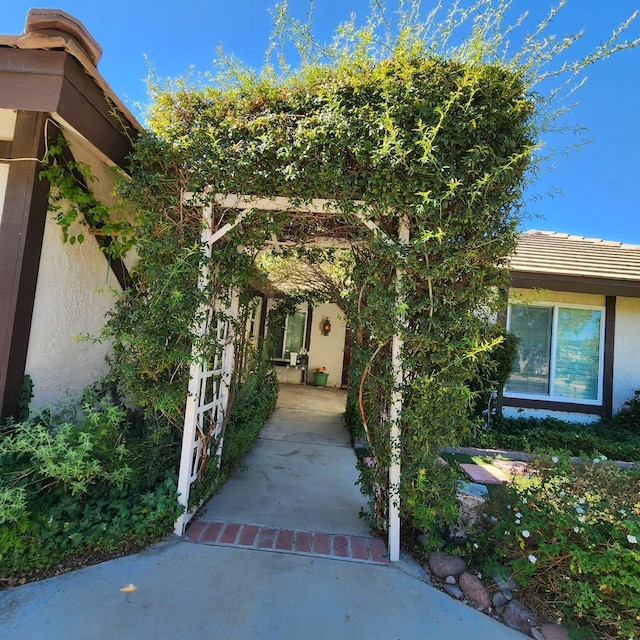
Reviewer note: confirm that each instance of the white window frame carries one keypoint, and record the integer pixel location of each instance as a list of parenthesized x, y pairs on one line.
[(552, 362), (303, 309)]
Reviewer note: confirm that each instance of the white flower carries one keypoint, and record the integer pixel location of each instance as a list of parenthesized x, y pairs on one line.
[(50, 519), (562, 494), (576, 529), (517, 523), (518, 515), (581, 519), (622, 512), (632, 539), (580, 500), (579, 510), (554, 458), (524, 501), (525, 534), (532, 559), (508, 506), (476, 545), (479, 576), (596, 461)]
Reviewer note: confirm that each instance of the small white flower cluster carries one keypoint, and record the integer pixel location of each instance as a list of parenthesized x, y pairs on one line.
[(532, 559), (632, 539), (599, 459)]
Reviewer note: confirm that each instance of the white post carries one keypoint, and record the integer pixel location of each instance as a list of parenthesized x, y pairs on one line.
[(191, 445), (394, 416)]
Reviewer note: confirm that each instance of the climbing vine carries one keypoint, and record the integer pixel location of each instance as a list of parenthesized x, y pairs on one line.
[(392, 123)]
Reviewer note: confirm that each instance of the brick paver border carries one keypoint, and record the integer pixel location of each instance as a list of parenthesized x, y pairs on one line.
[(306, 543)]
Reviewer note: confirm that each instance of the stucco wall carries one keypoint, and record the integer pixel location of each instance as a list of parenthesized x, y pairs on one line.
[(4, 175), (327, 351), (75, 290), (544, 295), (626, 359)]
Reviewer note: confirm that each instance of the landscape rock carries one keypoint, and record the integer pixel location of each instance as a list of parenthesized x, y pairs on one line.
[(553, 632), (499, 599), (536, 634), (443, 565), (453, 591), (450, 580), (508, 594), (502, 582), (517, 616), (473, 589)]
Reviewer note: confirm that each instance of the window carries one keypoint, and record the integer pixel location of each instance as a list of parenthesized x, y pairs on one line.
[(287, 336), (560, 355)]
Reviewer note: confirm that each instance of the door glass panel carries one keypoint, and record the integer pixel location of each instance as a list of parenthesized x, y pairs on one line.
[(295, 333)]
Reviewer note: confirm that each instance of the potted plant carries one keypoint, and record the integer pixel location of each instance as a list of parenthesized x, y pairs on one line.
[(320, 377)]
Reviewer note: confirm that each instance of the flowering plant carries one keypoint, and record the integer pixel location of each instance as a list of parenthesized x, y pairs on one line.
[(570, 534), (321, 370)]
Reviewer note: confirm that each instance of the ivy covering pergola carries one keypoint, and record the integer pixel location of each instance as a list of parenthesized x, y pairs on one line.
[(208, 404), (419, 162)]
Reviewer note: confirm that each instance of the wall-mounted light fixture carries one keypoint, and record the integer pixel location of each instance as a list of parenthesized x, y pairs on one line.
[(326, 327)]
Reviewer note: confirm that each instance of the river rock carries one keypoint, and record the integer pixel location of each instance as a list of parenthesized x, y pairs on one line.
[(443, 565), (473, 589), (499, 599), (453, 591), (554, 632), (517, 616)]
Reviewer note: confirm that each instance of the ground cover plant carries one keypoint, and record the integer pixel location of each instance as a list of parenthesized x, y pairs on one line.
[(569, 535), (617, 438), (80, 485)]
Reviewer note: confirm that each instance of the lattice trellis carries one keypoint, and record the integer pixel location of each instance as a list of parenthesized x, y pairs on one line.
[(207, 405)]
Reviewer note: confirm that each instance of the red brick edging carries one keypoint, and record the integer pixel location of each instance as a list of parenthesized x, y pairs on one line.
[(308, 543)]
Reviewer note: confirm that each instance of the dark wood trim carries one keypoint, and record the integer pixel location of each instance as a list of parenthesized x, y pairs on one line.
[(575, 284), (21, 235), (609, 350), (307, 335), (5, 149), (263, 322), (574, 407), (55, 82)]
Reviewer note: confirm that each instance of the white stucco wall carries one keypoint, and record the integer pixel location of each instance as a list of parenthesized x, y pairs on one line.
[(75, 290), (327, 351), (7, 131), (626, 359)]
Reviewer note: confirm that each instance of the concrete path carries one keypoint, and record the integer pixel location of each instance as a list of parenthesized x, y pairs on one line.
[(303, 473)]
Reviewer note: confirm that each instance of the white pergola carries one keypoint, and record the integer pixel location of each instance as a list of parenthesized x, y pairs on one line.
[(207, 404)]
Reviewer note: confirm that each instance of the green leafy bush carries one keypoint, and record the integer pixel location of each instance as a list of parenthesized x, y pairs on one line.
[(71, 488), (571, 536), (607, 437)]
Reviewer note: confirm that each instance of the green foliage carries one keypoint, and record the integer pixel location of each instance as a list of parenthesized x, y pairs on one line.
[(76, 485), (606, 437), (73, 203), (396, 120), (628, 418), (26, 394), (571, 536)]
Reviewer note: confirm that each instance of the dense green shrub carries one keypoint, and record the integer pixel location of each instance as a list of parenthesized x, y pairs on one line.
[(571, 535), (628, 418), (606, 437), (74, 484)]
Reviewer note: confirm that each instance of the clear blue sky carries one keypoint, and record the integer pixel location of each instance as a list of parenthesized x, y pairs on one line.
[(600, 183)]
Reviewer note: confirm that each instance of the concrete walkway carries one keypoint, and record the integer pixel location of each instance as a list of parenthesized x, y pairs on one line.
[(226, 591)]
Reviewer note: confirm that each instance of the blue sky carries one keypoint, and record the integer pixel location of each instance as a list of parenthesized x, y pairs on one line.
[(600, 183)]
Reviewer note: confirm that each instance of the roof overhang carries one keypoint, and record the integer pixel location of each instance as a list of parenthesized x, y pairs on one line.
[(575, 284), (55, 82)]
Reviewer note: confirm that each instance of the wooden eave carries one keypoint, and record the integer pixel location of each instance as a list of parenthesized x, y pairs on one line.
[(575, 284), (54, 82)]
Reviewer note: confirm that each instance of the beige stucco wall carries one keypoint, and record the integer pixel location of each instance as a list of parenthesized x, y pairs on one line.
[(626, 359), (4, 176), (75, 290), (327, 351), (544, 295)]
